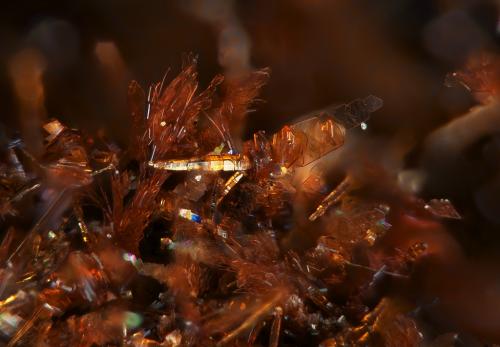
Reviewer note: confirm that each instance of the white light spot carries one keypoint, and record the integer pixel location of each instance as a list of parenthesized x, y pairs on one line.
[(364, 126)]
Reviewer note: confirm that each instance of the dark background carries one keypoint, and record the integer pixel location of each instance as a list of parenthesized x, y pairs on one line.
[(320, 52)]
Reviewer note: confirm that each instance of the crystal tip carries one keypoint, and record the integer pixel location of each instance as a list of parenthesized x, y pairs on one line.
[(373, 103)]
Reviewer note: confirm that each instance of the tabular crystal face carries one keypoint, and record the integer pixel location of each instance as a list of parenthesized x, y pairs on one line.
[(320, 135)]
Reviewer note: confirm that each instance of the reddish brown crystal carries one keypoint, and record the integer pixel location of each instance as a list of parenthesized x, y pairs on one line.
[(193, 237)]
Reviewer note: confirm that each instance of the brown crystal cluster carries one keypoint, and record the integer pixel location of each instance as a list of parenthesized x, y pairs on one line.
[(194, 237)]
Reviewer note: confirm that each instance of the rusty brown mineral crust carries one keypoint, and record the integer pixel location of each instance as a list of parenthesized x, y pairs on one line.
[(189, 237)]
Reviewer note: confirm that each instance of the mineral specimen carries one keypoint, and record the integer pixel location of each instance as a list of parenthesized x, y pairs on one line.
[(182, 240)]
